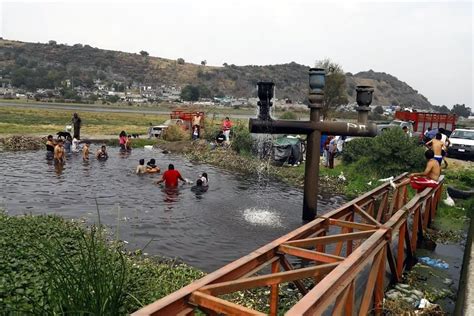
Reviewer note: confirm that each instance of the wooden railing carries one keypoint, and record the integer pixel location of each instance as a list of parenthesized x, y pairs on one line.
[(350, 249)]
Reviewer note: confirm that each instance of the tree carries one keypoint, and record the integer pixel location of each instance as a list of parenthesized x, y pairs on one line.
[(144, 53), (461, 110), (204, 62), (378, 110), (190, 93), (335, 89), (180, 61), (51, 42), (225, 64)]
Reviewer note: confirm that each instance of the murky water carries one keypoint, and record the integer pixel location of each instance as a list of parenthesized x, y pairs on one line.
[(238, 213)]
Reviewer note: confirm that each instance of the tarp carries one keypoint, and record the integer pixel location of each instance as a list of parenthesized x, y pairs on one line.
[(287, 149)]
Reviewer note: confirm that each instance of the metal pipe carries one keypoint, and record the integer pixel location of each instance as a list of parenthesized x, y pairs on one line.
[(307, 127), (311, 178)]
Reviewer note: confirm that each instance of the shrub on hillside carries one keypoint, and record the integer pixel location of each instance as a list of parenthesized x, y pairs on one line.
[(175, 133), (388, 154)]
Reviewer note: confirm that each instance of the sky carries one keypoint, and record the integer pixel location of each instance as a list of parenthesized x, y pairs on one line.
[(427, 44)]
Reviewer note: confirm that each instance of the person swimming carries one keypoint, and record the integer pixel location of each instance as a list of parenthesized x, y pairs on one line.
[(102, 154), (199, 188), (141, 168), (204, 179), (151, 167)]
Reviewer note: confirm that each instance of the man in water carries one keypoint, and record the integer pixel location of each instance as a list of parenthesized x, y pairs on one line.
[(59, 152), (85, 152), (76, 122), (437, 146), (170, 177), (102, 154)]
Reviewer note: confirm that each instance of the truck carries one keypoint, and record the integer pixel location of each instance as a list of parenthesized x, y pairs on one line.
[(418, 122)]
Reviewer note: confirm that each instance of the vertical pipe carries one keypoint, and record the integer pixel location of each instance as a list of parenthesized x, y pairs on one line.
[(311, 179)]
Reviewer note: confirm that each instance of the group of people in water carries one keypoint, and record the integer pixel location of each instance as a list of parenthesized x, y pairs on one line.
[(56, 149), (172, 176)]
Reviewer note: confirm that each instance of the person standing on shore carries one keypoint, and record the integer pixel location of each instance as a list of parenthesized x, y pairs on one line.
[(226, 126), (196, 124), (76, 123)]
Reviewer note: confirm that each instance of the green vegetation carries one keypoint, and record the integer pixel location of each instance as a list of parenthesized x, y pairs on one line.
[(288, 115), (52, 266), (386, 155), (42, 121), (335, 93)]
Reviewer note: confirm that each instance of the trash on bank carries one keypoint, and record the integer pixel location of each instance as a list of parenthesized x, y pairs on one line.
[(437, 263)]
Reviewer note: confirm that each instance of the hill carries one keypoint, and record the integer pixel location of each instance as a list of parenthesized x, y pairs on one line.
[(36, 65)]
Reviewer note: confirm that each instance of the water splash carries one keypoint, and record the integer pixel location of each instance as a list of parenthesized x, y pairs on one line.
[(262, 217)]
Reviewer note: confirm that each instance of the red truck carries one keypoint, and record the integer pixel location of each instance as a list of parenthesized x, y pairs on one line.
[(421, 121)]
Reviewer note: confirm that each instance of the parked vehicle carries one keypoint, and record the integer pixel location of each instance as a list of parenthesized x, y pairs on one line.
[(421, 121), (462, 144), (158, 130), (395, 124)]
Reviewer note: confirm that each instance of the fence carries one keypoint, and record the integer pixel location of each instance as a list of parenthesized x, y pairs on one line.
[(357, 248)]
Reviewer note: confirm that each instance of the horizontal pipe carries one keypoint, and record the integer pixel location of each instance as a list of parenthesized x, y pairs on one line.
[(306, 127)]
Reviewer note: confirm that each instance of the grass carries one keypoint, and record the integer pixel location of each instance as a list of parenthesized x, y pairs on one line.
[(52, 266), (42, 121)]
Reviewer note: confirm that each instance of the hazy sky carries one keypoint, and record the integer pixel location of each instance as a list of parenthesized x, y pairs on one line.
[(429, 45)]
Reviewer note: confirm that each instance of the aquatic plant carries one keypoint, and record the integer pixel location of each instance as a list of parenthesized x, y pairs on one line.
[(20, 142), (49, 266), (175, 133)]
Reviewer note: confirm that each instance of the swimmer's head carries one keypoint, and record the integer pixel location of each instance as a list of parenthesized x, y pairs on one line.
[(439, 136), (170, 166), (141, 162), (199, 183), (103, 148), (151, 162), (204, 174), (50, 137), (429, 154)]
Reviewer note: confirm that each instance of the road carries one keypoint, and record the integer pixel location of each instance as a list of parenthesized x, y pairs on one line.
[(95, 108)]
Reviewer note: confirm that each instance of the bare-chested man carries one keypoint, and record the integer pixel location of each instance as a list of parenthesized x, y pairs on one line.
[(85, 152), (59, 152), (433, 168), (437, 145)]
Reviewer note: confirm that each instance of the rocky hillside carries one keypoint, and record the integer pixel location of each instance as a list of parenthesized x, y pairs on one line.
[(36, 65)]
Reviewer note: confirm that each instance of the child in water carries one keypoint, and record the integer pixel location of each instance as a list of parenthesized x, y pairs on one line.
[(141, 167), (151, 167), (204, 179)]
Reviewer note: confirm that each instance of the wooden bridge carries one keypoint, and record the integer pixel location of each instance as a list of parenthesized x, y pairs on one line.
[(358, 248)]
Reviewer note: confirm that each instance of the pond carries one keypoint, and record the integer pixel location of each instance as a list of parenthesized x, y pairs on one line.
[(238, 214)]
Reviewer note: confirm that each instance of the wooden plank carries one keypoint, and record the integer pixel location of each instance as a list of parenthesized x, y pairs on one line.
[(221, 306), (311, 242), (379, 284), (266, 280), (288, 267), (325, 292), (369, 288), (274, 291), (392, 264), (340, 244), (186, 312), (341, 302), (309, 254), (350, 300), (358, 226), (366, 216), (260, 267), (401, 249)]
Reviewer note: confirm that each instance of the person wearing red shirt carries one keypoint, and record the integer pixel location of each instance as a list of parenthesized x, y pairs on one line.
[(226, 126), (171, 177)]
